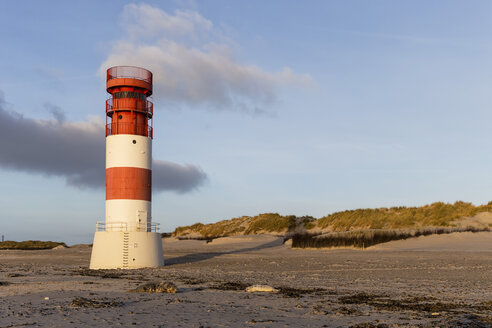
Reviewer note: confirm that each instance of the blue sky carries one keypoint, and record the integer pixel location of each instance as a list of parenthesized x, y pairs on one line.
[(297, 108)]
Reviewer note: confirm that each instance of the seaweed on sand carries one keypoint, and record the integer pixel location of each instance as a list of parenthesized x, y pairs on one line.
[(79, 302), (229, 285), (383, 302), (156, 287)]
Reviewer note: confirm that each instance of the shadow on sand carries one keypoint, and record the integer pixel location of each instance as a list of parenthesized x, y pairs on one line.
[(197, 257)]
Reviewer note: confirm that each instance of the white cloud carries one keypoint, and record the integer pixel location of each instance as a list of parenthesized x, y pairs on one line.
[(144, 21), (192, 65)]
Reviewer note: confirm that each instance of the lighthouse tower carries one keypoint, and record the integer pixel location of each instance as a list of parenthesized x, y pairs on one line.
[(128, 239)]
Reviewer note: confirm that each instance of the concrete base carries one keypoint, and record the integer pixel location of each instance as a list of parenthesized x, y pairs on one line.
[(126, 250)]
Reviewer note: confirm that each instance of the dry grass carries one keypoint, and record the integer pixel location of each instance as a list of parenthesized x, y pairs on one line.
[(366, 238), (29, 244), (271, 222), (245, 225), (434, 215)]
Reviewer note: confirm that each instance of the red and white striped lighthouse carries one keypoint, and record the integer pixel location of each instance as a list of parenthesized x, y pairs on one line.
[(128, 238)]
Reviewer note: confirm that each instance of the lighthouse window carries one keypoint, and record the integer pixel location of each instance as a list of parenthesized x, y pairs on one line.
[(120, 117), (129, 94), (134, 141)]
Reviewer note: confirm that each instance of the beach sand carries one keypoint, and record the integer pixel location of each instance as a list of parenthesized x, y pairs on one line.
[(433, 281)]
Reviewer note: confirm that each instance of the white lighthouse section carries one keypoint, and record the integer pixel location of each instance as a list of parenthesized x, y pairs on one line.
[(128, 240), (128, 151), (128, 215), (126, 250)]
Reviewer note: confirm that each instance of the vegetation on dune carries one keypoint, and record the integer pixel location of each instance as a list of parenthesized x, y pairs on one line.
[(271, 222), (213, 230), (29, 244), (434, 215), (245, 225), (366, 238)]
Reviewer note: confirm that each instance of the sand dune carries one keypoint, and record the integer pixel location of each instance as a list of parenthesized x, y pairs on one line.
[(460, 241)]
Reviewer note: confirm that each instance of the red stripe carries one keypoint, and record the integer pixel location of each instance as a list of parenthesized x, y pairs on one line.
[(128, 183)]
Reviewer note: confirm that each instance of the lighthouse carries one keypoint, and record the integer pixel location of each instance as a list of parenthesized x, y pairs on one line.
[(128, 239)]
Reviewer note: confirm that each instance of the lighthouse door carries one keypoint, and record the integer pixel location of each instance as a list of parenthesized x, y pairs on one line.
[(141, 220)]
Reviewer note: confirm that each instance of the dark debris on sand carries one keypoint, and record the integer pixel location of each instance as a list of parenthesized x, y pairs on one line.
[(230, 285), (284, 291), (156, 287), (383, 302), (80, 302), (111, 274), (472, 321), (369, 325), (298, 292), (191, 281)]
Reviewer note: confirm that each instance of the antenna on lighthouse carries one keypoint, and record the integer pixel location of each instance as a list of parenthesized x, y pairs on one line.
[(128, 238)]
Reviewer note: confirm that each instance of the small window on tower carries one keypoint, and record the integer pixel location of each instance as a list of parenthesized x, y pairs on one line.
[(134, 141), (120, 117)]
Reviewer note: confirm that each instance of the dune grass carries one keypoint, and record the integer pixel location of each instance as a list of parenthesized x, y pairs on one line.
[(434, 215), (271, 222), (437, 215), (366, 238), (29, 244), (245, 225), (212, 230)]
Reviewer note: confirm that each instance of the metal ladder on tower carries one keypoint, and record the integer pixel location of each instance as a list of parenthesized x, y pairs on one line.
[(126, 240)]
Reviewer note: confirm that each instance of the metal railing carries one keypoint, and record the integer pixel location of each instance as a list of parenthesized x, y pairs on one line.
[(131, 72), (114, 128), (125, 226), (129, 104)]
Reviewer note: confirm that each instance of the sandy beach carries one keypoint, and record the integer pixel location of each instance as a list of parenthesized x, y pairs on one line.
[(433, 281)]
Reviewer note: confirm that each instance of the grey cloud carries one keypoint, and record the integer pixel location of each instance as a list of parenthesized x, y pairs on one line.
[(180, 178), (75, 151), (202, 73), (56, 111)]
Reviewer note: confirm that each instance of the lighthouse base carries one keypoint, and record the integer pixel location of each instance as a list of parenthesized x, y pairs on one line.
[(126, 250)]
